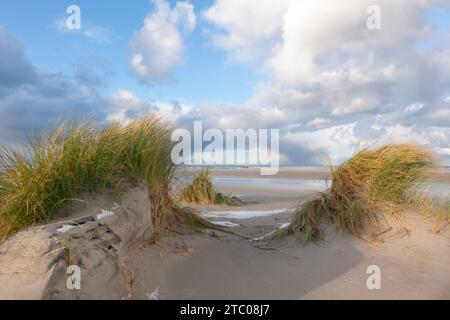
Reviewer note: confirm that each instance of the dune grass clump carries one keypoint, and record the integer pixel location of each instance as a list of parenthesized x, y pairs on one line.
[(145, 150), (446, 209), (442, 212), (51, 171), (364, 188), (78, 159), (202, 191)]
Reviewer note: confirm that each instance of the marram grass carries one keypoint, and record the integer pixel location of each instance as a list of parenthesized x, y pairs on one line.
[(364, 188), (78, 159), (202, 191), (58, 167)]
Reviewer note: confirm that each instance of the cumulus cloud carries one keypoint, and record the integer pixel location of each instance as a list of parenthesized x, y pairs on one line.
[(335, 84), (31, 97), (97, 33), (159, 45), (331, 143), (331, 84), (246, 28), (125, 106), (318, 123), (15, 70)]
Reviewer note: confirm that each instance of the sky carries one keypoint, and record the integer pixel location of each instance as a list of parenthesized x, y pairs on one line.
[(312, 69)]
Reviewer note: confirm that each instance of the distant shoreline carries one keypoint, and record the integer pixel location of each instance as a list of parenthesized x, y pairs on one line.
[(293, 173)]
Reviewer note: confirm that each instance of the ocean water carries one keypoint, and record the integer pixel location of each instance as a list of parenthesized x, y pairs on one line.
[(291, 184), (438, 190)]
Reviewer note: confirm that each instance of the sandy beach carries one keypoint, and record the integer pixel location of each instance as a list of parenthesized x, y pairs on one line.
[(106, 238)]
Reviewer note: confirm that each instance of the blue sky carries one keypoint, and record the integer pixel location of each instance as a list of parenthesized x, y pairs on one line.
[(205, 74), (310, 68)]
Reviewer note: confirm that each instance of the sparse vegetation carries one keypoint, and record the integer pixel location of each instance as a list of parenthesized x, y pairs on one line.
[(77, 159), (364, 188), (446, 209), (442, 212), (202, 191)]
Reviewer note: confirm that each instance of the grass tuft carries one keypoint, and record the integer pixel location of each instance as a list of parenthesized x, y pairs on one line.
[(78, 159), (202, 191), (370, 184)]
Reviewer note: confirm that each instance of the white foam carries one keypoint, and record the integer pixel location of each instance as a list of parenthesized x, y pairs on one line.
[(227, 224), (65, 228), (104, 214), (244, 214)]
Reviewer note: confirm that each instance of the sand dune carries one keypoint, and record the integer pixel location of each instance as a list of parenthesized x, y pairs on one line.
[(108, 242)]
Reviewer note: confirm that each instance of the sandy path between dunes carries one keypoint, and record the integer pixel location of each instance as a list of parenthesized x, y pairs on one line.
[(222, 266), (234, 269), (230, 267)]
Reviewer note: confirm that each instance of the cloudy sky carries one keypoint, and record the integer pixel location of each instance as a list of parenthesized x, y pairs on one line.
[(311, 68)]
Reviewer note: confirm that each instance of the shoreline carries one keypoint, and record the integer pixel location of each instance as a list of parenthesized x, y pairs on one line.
[(294, 173)]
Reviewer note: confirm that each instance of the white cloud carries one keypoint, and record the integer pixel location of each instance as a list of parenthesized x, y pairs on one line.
[(159, 46), (331, 85), (414, 108), (318, 123), (444, 151), (127, 106), (356, 104), (97, 33), (334, 143), (318, 35), (341, 84), (246, 28), (33, 98)]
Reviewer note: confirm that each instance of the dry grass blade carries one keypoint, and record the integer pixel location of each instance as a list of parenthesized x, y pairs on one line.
[(77, 159), (364, 188), (202, 191)]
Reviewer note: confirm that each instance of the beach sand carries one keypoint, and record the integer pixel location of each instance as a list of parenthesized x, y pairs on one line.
[(117, 263)]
